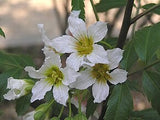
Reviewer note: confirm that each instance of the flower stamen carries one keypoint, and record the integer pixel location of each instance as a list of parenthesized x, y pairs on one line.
[(101, 72), (84, 45), (54, 76)]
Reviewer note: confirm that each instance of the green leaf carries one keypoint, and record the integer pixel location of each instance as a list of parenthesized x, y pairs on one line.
[(69, 118), (147, 6), (2, 33), (148, 114), (108, 43), (151, 87), (105, 5), (120, 103), (80, 116), (55, 118), (40, 115), (79, 5), (147, 42), (14, 62), (42, 110), (91, 107), (22, 104), (134, 85), (129, 56)]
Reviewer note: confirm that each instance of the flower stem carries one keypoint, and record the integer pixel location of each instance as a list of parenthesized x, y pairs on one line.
[(70, 109), (79, 103), (143, 13), (105, 43), (146, 67), (94, 10), (60, 114)]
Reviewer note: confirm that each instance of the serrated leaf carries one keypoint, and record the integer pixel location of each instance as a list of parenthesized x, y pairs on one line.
[(148, 114), (79, 5), (147, 42), (105, 5), (129, 56), (2, 33), (147, 6), (14, 62), (91, 107), (120, 103), (22, 104), (151, 87)]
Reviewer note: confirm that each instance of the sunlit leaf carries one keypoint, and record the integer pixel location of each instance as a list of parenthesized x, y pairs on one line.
[(79, 5), (147, 6), (105, 5), (2, 33)]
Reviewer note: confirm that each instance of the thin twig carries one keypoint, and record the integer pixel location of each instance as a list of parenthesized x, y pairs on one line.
[(143, 13), (95, 11), (146, 67), (125, 24), (137, 12)]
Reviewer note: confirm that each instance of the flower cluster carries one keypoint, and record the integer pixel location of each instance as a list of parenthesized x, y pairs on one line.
[(100, 65)]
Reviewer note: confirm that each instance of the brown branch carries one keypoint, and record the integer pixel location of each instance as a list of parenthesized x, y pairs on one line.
[(125, 24)]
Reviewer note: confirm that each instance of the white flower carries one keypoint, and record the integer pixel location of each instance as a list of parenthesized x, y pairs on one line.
[(52, 75), (46, 40), (81, 42), (99, 74), (29, 116), (18, 88)]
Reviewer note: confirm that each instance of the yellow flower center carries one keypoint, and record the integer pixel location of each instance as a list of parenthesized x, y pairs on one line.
[(54, 76), (100, 72), (84, 45)]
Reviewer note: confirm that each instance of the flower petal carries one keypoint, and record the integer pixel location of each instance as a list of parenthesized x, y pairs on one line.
[(100, 92), (118, 76), (45, 39), (83, 81), (76, 25), (15, 83), (74, 61), (70, 75), (98, 31), (98, 55), (52, 59), (60, 94), (33, 73), (39, 90), (10, 95), (114, 57), (64, 44)]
